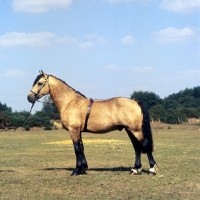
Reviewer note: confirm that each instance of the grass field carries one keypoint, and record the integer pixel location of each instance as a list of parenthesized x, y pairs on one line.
[(38, 164)]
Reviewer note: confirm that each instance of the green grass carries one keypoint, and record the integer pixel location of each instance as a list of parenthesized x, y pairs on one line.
[(33, 167)]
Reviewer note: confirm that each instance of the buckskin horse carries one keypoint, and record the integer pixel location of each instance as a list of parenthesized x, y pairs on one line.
[(80, 114)]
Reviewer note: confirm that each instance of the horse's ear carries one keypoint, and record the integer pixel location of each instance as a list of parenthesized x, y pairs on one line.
[(41, 72)]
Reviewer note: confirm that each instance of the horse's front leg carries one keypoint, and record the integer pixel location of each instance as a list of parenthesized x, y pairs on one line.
[(84, 161), (81, 163)]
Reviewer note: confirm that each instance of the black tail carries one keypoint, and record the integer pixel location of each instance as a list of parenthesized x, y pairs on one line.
[(147, 143)]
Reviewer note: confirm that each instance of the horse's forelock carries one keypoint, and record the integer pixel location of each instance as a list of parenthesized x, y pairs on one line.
[(37, 79)]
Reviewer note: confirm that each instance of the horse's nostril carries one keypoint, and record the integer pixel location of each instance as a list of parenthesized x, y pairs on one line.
[(31, 99)]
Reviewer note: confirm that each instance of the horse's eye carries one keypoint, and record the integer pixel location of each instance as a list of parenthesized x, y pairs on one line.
[(39, 83)]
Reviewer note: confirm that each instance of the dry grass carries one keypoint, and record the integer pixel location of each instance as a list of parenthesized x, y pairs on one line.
[(37, 165)]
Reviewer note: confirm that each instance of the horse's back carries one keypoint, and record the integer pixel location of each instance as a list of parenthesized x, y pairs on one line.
[(118, 104)]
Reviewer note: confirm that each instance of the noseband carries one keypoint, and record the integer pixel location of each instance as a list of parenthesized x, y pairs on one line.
[(46, 81)]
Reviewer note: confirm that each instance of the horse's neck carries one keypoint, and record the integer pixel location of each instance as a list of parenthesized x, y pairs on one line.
[(61, 93)]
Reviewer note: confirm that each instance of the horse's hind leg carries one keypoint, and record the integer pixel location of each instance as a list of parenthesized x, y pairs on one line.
[(152, 163), (137, 169), (147, 141)]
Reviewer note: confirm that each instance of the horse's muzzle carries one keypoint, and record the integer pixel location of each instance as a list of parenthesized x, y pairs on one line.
[(31, 98)]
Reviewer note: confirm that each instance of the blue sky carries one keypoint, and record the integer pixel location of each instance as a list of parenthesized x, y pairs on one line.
[(103, 48)]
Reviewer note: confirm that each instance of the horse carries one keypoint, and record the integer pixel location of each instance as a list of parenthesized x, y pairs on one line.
[(81, 114)]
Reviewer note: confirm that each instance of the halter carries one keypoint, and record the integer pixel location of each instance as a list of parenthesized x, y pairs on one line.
[(46, 81)]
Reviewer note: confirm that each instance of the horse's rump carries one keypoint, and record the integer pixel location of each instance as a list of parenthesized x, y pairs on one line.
[(118, 113)]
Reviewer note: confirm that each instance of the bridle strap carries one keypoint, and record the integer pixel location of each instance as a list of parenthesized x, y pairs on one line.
[(33, 92), (88, 114)]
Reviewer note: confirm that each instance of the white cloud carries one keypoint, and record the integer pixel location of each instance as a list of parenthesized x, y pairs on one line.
[(26, 39), (86, 45), (127, 40), (17, 39), (142, 69), (92, 40), (39, 6), (174, 35), (186, 6), (66, 40), (13, 73), (112, 67)]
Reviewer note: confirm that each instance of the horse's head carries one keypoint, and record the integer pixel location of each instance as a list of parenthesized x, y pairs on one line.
[(40, 87)]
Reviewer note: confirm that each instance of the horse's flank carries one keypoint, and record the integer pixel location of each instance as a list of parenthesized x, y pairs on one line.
[(111, 114)]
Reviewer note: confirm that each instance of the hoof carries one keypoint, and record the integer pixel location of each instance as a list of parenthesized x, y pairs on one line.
[(152, 171), (136, 171), (77, 172), (85, 167)]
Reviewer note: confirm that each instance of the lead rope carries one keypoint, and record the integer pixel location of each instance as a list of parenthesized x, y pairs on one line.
[(27, 115), (23, 121)]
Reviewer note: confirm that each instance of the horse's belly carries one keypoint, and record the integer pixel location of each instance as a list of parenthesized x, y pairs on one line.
[(104, 127)]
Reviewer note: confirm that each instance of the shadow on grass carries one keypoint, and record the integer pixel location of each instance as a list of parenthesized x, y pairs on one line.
[(6, 171), (103, 169), (92, 169), (113, 169)]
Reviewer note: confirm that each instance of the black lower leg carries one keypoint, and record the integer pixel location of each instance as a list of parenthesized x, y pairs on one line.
[(79, 154), (152, 162), (84, 161), (137, 147), (137, 159)]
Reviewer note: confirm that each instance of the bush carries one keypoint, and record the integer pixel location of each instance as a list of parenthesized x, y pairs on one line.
[(27, 127), (48, 127)]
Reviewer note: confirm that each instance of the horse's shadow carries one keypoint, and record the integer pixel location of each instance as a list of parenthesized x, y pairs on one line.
[(92, 169), (103, 169), (6, 170)]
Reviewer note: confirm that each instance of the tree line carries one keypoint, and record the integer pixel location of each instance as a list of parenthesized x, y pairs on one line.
[(40, 118), (173, 109)]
